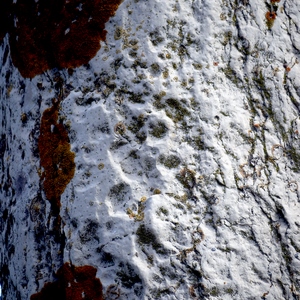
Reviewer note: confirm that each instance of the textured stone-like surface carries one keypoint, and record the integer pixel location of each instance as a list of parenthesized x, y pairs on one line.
[(185, 128)]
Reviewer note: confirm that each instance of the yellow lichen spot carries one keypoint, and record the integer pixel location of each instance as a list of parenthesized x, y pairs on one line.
[(100, 166), (143, 199), (120, 128), (139, 217), (24, 118), (165, 73), (130, 213), (156, 192)]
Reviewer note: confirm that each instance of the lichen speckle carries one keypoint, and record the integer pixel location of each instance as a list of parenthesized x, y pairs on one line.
[(158, 129)]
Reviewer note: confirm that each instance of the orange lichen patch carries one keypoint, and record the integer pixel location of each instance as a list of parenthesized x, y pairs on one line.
[(54, 33), (270, 15), (270, 18), (56, 157), (73, 283), (275, 1)]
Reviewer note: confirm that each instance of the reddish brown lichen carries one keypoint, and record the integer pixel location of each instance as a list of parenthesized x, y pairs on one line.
[(270, 18), (288, 69), (73, 283), (56, 157), (270, 15), (54, 33)]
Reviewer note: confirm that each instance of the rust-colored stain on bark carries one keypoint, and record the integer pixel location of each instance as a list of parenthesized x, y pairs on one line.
[(46, 34), (56, 156), (73, 283)]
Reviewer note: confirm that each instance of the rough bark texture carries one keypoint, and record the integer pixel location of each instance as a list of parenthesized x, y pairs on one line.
[(185, 130)]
